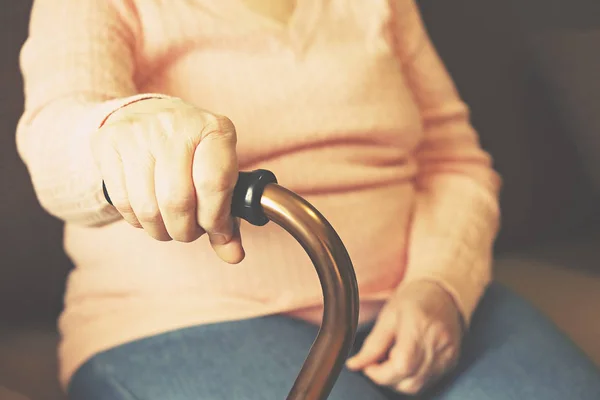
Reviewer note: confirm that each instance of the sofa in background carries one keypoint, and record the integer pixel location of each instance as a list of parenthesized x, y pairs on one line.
[(528, 70)]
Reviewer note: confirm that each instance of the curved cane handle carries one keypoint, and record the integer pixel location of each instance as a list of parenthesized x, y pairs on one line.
[(258, 198)]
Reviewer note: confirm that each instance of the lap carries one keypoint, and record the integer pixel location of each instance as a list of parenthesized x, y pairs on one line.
[(511, 352), (253, 359)]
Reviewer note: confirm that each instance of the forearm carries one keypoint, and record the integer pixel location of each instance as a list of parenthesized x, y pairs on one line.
[(456, 213), (455, 222), (78, 65)]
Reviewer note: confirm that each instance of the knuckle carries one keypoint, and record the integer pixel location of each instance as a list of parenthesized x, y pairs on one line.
[(161, 237), (185, 237), (218, 127), (121, 204), (217, 184), (417, 313), (148, 214), (445, 337), (124, 208), (406, 365), (133, 222), (443, 334), (180, 205), (187, 234), (122, 134), (212, 225)]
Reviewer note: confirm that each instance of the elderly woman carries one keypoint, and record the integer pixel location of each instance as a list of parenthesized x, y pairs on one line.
[(349, 104)]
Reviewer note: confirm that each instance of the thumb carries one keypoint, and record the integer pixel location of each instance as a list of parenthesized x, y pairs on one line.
[(376, 346), (228, 248)]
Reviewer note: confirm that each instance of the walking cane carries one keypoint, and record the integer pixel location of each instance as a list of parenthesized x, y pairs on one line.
[(258, 199)]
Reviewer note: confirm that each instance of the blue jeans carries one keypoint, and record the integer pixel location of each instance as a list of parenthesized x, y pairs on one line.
[(511, 353)]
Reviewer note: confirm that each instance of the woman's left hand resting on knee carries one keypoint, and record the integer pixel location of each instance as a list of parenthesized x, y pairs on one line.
[(415, 341)]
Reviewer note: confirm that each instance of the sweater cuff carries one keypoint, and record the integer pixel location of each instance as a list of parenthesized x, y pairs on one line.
[(464, 273)]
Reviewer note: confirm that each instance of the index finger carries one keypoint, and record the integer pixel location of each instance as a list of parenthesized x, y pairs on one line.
[(215, 173)]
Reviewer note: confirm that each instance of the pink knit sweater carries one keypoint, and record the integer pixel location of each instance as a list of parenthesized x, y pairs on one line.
[(348, 104)]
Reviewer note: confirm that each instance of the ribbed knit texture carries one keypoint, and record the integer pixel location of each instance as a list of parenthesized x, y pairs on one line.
[(349, 105)]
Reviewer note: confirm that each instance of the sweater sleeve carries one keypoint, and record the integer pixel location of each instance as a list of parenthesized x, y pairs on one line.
[(78, 67), (456, 215)]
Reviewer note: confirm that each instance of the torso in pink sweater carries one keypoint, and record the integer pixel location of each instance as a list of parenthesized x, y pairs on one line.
[(349, 105)]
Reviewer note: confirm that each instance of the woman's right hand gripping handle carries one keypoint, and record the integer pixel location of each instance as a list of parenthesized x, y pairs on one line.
[(171, 169)]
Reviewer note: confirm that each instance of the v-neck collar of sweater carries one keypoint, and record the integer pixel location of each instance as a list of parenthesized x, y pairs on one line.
[(297, 32)]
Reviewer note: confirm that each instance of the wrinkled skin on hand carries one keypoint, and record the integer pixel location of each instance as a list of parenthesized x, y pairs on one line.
[(415, 341)]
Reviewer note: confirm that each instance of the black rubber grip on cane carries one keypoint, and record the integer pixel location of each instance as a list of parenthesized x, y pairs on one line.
[(247, 193)]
